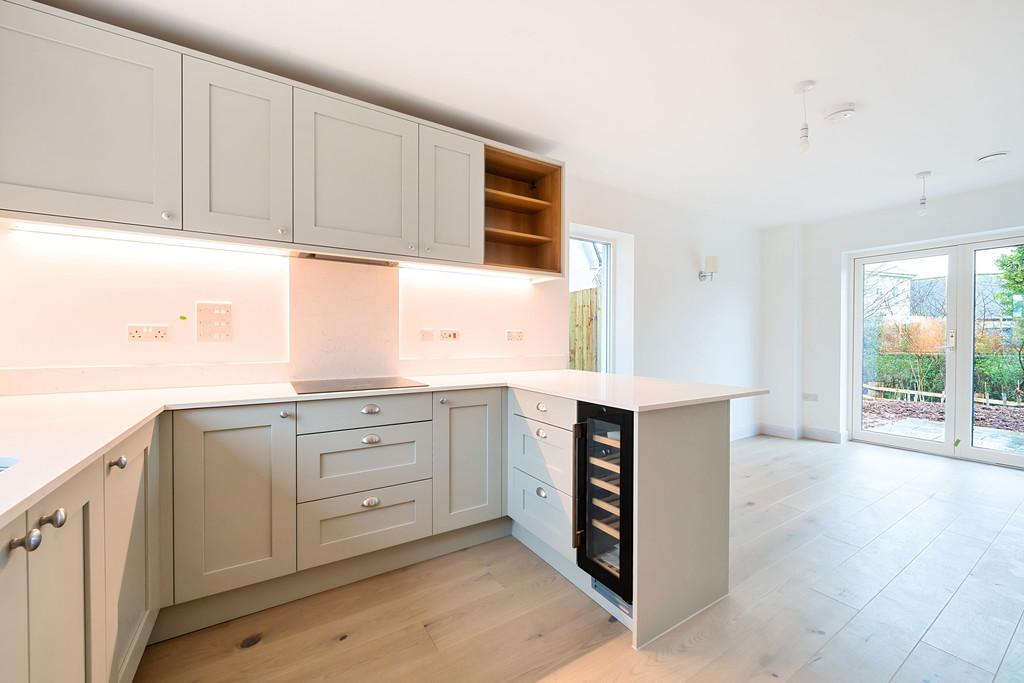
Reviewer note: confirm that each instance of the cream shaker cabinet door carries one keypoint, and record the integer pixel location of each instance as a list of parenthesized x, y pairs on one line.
[(66, 599), (355, 176), (131, 552), (91, 122), (234, 497), (451, 197), (14, 599), (467, 458), (237, 132)]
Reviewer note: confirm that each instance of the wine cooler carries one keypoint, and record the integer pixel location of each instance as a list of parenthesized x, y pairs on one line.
[(603, 498)]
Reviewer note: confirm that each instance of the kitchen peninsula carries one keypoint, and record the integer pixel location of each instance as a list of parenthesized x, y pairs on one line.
[(348, 485)]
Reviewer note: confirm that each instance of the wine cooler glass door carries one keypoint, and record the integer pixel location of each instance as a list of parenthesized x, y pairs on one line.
[(605, 505)]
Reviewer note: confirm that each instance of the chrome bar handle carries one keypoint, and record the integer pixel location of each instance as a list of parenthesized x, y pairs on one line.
[(579, 430)]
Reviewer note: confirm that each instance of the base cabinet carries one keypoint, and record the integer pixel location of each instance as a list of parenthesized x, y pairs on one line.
[(66, 635), (14, 599), (234, 497), (467, 458), (131, 516)]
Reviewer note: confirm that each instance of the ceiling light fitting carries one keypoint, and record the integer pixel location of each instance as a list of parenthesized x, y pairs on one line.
[(802, 88), (994, 156), (922, 203), (842, 114)]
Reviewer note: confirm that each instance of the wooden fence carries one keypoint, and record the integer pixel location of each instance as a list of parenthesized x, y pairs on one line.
[(879, 392), (583, 333)]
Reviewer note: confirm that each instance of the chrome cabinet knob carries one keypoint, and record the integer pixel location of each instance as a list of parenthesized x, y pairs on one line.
[(542, 407), (371, 439), (541, 434), (283, 230), (285, 414), (443, 401), (119, 463), (412, 247), (370, 409), (57, 518), (541, 492), (371, 502), (30, 541), (166, 215), (428, 250)]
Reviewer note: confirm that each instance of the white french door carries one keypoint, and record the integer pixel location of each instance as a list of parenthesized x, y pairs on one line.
[(938, 341)]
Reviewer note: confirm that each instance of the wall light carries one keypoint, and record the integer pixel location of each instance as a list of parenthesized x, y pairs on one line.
[(710, 268)]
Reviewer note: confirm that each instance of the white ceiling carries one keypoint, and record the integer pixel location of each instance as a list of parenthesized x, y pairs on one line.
[(689, 101)]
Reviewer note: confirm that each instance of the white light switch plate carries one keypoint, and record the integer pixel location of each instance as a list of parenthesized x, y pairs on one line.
[(213, 321)]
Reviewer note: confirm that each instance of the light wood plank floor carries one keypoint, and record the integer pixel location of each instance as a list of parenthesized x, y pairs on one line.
[(849, 563)]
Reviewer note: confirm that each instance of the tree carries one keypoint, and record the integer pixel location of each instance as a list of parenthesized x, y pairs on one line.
[(1011, 269)]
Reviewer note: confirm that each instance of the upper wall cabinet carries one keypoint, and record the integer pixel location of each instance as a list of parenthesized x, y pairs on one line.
[(237, 146), (90, 125), (451, 197), (355, 176)]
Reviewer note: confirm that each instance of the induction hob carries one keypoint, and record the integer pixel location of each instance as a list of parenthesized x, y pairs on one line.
[(327, 386)]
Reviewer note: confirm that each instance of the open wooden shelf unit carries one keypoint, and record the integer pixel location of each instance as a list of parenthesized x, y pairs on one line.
[(523, 212)]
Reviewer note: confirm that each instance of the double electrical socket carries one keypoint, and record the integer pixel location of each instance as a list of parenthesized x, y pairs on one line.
[(450, 335), (147, 332), (514, 335)]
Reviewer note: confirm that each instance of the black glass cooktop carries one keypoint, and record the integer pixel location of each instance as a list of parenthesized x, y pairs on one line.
[(325, 386)]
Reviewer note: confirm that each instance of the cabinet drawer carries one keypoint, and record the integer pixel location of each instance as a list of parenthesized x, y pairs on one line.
[(542, 451), (553, 410), (336, 463), (366, 411), (543, 510), (338, 528)]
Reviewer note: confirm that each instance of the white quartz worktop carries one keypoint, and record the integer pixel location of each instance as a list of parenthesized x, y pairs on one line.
[(54, 436)]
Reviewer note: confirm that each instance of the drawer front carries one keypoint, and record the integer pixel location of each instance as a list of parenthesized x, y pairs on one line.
[(338, 528), (542, 451), (367, 411), (336, 463), (543, 510), (552, 410)]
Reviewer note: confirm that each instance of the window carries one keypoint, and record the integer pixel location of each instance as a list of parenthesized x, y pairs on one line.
[(590, 297)]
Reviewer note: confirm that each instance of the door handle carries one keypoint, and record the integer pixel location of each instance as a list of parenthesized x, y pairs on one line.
[(371, 439), (370, 409), (579, 431)]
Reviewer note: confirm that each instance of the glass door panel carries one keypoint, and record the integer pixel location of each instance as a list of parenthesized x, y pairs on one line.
[(996, 413), (903, 334), (604, 513)]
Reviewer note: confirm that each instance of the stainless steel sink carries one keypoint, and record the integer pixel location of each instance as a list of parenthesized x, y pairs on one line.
[(6, 463)]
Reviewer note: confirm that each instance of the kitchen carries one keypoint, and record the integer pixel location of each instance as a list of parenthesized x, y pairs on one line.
[(561, 341), (219, 246)]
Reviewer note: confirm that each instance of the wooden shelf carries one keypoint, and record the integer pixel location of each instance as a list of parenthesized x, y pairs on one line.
[(522, 212), (525, 239), (514, 202)]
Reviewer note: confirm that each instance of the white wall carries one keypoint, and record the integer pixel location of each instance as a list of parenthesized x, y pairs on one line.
[(685, 329), (781, 331), (826, 249)]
